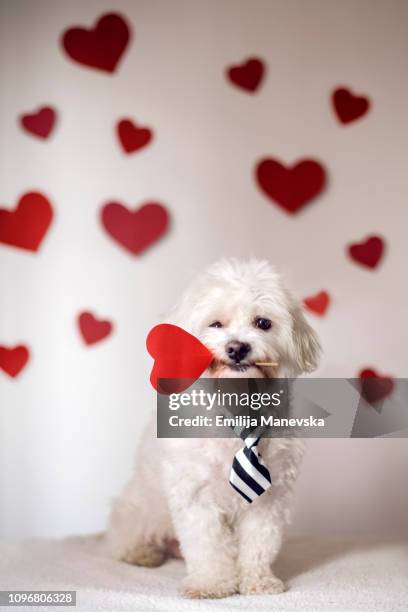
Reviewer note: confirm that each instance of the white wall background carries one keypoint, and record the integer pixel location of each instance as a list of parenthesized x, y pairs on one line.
[(70, 422)]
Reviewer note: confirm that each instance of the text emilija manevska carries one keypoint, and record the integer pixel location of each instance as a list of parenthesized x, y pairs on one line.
[(222, 400)]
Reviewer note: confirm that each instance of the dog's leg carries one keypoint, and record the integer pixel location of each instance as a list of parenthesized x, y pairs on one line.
[(140, 523), (127, 538), (139, 527), (207, 541), (260, 538)]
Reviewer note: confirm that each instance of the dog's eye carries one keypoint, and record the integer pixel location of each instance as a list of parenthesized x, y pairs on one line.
[(262, 323), (216, 324)]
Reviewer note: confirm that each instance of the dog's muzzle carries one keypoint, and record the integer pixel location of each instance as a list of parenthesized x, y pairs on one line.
[(237, 351)]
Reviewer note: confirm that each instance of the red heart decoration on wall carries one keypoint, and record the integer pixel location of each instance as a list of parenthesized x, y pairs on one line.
[(135, 230), (26, 226), (100, 47), (375, 387), (318, 303), (131, 136), (369, 252), (13, 360), (247, 75), (177, 355), (347, 106), (40, 123), (92, 329), (291, 188)]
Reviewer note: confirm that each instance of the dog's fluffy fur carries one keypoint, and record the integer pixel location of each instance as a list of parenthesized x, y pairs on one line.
[(180, 489)]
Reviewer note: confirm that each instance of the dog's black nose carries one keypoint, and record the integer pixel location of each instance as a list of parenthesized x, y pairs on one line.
[(237, 351)]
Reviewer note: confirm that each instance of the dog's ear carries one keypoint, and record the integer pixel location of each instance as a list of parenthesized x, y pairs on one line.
[(305, 347)]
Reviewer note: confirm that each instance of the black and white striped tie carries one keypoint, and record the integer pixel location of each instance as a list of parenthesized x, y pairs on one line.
[(249, 475)]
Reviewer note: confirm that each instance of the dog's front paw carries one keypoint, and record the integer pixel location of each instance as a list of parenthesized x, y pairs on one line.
[(253, 585), (209, 587)]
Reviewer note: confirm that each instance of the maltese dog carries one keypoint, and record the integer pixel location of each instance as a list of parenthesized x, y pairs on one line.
[(180, 491)]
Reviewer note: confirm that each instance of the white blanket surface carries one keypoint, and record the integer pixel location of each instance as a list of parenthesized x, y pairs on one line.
[(321, 575)]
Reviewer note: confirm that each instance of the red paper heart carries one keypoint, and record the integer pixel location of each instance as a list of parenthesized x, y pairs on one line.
[(92, 329), (135, 230), (369, 252), (25, 227), (318, 303), (13, 360), (375, 387), (100, 47), (347, 106), (291, 188), (177, 355), (131, 136), (40, 123), (247, 75)]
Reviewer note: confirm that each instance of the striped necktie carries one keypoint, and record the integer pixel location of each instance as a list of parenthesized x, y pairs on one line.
[(249, 475)]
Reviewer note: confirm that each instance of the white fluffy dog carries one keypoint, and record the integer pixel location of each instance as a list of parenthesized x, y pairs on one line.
[(180, 489)]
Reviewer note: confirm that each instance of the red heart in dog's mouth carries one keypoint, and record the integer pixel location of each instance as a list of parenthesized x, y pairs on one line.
[(178, 356)]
